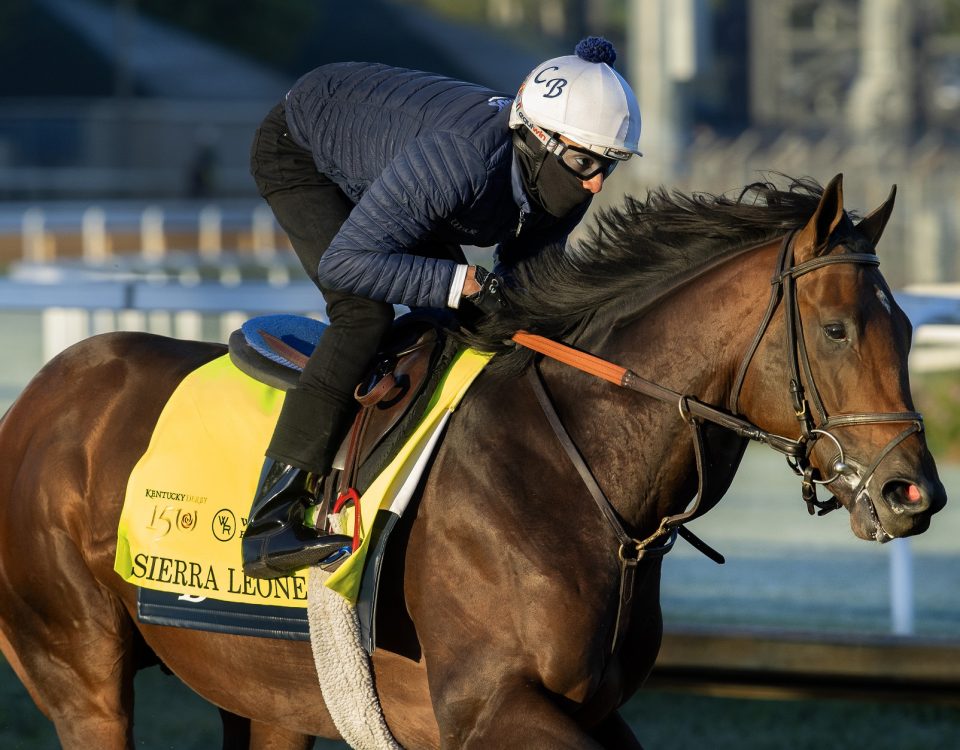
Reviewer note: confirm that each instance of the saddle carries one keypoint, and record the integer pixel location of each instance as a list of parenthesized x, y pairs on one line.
[(273, 349)]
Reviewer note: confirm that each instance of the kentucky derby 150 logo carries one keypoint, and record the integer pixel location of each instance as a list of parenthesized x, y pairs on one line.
[(166, 518)]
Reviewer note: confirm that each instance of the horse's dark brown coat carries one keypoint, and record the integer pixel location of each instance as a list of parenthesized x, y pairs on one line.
[(510, 573)]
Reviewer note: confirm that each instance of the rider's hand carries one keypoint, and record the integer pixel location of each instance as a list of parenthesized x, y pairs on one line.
[(470, 284), (482, 289)]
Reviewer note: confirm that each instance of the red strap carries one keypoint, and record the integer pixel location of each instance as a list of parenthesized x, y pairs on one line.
[(351, 496)]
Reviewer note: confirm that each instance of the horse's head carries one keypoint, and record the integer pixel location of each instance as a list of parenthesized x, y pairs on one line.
[(839, 343)]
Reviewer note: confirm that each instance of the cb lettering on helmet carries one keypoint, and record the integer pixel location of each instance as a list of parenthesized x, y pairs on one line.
[(554, 85)]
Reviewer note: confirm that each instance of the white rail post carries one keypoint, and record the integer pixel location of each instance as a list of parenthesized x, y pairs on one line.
[(188, 324), (132, 320), (230, 275), (264, 232), (901, 587), (102, 321), (94, 240), (278, 275), (210, 232), (927, 242), (230, 322), (153, 243), (265, 246), (37, 246), (63, 327)]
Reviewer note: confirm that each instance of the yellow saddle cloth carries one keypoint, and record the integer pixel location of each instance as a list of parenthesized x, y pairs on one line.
[(188, 496)]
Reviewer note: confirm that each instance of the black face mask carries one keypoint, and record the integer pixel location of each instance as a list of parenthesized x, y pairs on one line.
[(553, 188)]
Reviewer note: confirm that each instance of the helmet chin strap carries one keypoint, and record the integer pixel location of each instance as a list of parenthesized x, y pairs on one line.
[(532, 157), (535, 154)]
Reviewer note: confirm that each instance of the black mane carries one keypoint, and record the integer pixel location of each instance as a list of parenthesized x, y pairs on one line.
[(633, 250)]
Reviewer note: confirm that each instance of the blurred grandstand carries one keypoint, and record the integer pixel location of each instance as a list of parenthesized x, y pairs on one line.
[(150, 100)]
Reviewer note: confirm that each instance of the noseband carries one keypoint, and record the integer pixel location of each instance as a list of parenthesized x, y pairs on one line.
[(783, 286)]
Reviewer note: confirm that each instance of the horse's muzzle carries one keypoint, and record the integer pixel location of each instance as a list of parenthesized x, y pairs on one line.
[(902, 507), (903, 496)]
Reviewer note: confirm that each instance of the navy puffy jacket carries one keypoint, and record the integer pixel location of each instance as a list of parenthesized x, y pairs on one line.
[(426, 159)]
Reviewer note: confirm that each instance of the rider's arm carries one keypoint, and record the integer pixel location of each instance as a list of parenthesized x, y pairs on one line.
[(372, 256)]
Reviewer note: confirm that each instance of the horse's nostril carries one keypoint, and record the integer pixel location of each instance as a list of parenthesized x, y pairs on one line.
[(906, 495)]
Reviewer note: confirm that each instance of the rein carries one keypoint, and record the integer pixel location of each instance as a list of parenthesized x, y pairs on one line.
[(694, 412)]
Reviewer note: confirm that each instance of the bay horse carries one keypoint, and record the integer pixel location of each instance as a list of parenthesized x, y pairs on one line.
[(531, 620)]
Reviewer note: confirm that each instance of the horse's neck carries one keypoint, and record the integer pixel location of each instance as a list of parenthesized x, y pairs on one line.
[(693, 342)]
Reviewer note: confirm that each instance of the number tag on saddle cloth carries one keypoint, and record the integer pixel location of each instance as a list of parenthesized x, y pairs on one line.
[(188, 496)]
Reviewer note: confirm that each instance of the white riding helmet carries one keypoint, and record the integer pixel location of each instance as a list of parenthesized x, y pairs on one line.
[(583, 98)]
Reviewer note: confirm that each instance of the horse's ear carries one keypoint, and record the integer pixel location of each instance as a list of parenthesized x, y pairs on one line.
[(873, 223), (812, 239)]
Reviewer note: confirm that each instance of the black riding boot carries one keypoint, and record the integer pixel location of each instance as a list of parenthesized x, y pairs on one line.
[(276, 541)]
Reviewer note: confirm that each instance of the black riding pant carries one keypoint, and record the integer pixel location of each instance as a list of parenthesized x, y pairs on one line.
[(311, 208)]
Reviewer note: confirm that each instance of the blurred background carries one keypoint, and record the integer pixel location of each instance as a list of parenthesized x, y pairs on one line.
[(126, 203)]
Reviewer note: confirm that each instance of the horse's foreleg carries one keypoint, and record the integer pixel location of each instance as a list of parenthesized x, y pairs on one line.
[(512, 717)]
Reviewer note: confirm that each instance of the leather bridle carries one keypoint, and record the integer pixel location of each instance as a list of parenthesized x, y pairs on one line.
[(783, 287), (695, 412)]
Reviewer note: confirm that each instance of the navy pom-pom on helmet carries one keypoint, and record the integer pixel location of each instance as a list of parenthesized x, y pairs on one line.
[(583, 98), (596, 49)]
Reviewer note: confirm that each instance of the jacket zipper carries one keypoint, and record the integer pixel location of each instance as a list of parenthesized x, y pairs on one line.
[(523, 218)]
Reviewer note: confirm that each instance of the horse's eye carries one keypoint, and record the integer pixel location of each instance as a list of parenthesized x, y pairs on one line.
[(835, 331)]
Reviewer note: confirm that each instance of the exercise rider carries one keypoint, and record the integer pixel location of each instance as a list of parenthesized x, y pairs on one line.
[(378, 175)]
